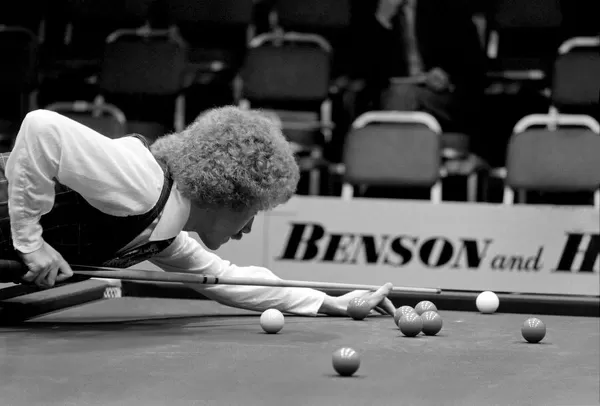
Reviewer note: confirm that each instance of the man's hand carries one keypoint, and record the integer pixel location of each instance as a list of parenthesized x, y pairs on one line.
[(378, 301), (438, 80), (386, 9), (46, 267)]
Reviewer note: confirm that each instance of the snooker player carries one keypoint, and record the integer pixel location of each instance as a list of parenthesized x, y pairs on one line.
[(75, 196)]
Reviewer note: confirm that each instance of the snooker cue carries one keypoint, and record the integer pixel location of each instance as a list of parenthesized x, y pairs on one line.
[(195, 278)]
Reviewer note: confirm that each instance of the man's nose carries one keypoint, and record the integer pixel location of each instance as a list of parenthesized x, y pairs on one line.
[(248, 227)]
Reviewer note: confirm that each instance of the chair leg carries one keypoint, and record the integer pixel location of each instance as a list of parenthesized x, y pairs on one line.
[(597, 199), (472, 183), (179, 119), (347, 191), (314, 186), (314, 182), (509, 196), (436, 192)]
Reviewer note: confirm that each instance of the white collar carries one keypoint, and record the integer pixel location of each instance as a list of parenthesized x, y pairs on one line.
[(173, 217)]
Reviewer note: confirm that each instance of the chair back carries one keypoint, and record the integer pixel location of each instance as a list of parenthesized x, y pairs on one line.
[(105, 119), (19, 67), (560, 159), (576, 78), (313, 16), (135, 63), (295, 68), (398, 149)]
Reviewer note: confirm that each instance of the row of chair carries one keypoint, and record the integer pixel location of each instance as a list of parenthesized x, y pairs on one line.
[(548, 153), (553, 152), (519, 34), (217, 32), (289, 73), (286, 71)]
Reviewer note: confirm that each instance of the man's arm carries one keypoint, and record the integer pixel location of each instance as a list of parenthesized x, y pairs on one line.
[(120, 177), (186, 254)]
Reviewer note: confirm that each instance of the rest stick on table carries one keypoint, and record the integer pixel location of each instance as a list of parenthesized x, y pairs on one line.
[(181, 277)]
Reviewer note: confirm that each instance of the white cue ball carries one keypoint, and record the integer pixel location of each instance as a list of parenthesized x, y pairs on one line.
[(272, 321), (487, 302)]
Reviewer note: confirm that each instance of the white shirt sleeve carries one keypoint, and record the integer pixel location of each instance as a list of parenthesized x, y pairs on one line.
[(117, 176), (187, 255)]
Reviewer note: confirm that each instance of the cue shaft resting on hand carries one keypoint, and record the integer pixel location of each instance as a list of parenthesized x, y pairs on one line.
[(178, 277), (196, 278)]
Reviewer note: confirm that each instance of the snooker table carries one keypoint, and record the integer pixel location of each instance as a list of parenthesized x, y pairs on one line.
[(162, 351)]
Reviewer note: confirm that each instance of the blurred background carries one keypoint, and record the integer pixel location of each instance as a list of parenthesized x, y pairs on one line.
[(462, 100)]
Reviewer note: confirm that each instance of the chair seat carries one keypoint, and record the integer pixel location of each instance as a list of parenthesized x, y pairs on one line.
[(304, 138)]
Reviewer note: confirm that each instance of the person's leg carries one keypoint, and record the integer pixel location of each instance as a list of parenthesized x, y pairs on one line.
[(410, 97), (401, 97)]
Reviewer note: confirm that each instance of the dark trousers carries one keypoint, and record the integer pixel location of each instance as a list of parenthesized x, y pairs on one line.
[(454, 111)]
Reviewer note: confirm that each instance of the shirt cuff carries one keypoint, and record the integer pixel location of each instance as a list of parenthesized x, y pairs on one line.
[(313, 302), (27, 237)]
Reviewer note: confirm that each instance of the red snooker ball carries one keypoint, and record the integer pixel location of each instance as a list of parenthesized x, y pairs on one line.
[(410, 324), (346, 361), (358, 308), (533, 330), (401, 311), (425, 306), (432, 323)]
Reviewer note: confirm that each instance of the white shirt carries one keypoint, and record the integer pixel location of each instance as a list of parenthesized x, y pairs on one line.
[(121, 177)]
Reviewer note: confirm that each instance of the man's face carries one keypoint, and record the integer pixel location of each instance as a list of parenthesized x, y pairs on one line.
[(217, 226)]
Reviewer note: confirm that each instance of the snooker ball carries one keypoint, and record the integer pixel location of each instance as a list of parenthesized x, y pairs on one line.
[(425, 306), (533, 330), (346, 361), (410, 324), (358, 308), (487, 302), (401, 311), (272, 321), (432, 323)]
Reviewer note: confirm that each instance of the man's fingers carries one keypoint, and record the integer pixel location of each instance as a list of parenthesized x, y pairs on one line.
[(380, 294), (50, 278), (65, 272), (380, 310), (40, 279), (29, 276), (388, 306)]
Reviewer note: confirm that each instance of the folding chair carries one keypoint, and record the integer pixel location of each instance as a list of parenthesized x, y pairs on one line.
[(392, 148), (576, 77), (289, 74), (523, 37), (216, 32), (27, 14), (321, 17), (143, 72), (104, 118), (552, 154), (330, 19), (89, 22)]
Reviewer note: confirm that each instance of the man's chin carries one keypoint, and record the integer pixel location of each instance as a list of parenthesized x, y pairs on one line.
[(213, 245)]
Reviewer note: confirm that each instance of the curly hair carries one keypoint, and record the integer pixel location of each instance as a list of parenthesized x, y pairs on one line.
[(229, 157)]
